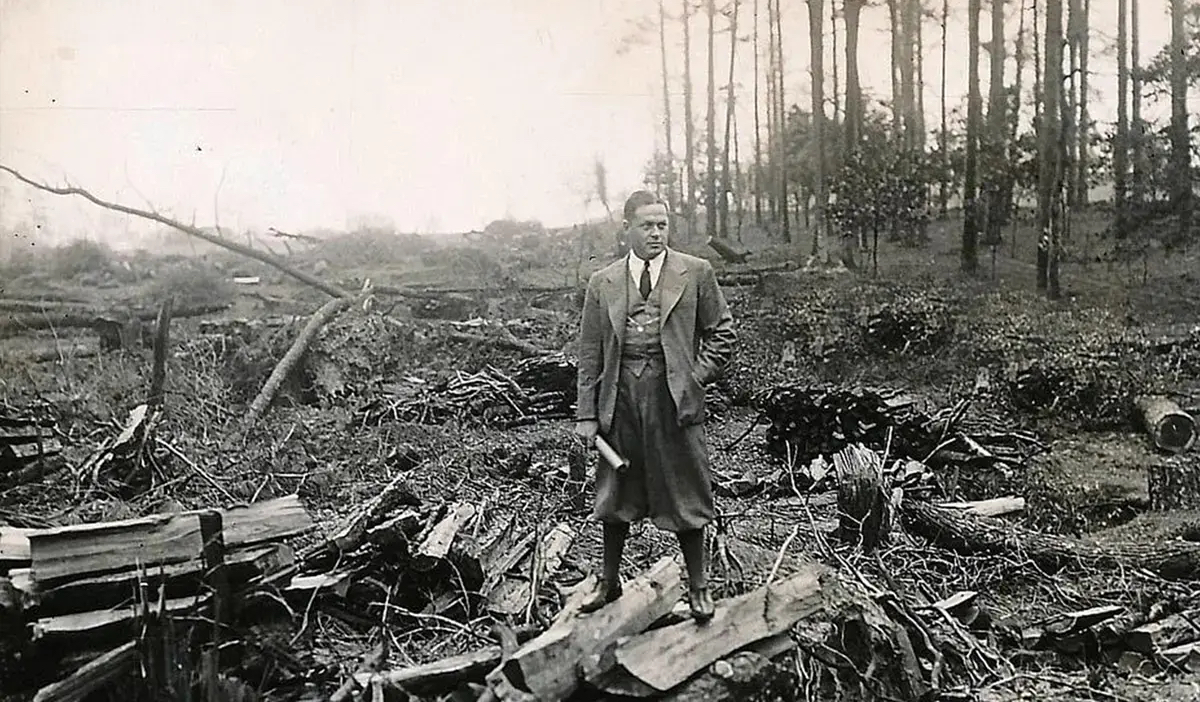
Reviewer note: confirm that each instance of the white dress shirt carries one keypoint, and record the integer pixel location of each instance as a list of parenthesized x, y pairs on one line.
[(656, 264)]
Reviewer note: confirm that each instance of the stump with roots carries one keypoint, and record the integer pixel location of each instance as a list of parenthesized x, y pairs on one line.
[(864, 507), (1172, 429)]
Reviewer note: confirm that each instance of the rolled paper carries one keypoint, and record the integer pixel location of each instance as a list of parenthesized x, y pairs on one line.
[(614, 459)]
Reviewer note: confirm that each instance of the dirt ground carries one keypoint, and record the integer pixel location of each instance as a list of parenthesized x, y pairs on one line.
[(795, 327)]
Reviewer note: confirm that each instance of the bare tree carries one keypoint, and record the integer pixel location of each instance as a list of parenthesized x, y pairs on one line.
[(1084, 127), (852, 13), (781, 107), (944, 135), (666, 88), (758, 169), (1121, 140), (897, 38), (1138, 145), (1070, 104), (833, 46), (710, 175), (689, 123), (726, 183), (817, 74), (997, 128), (1050, 154), (1181, 156), (970, 237)]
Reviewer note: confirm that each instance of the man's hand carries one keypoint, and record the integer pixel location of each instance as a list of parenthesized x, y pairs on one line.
[(586, 430)]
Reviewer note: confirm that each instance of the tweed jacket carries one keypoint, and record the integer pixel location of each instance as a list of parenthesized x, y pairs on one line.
[(697, 332)]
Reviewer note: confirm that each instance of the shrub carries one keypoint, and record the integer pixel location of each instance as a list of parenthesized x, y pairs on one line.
[(81, 257), (192, 285)]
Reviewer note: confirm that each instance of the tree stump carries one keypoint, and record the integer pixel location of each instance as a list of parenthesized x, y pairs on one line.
[(863, 506), (1173, 483), (1172, 429)]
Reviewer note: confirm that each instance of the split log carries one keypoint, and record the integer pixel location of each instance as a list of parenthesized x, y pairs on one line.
[(1172, 429), (750, 674), (666, 657), (398, 493), (436, 544), (94, 675), (547, 666), (284, 368), (162, 335), (994, 507), (1174, 483), (969, 534), (108, 624), (1184, 657), (1065, 631)]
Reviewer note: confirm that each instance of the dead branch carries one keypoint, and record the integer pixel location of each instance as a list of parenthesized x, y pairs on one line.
[(267, 258)]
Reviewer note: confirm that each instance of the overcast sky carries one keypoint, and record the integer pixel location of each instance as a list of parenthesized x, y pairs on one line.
[(438, 114)]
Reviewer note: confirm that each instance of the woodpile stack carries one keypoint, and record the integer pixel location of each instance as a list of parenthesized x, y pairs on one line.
[(1092, 391), (28, 448), (540, 388), (86, 591)]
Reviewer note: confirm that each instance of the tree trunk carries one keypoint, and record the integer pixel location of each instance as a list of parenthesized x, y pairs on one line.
[(970, 237), (666, 87), (1174, 483), (780, 99), (817, 75), (919, 28), (909, 22), (1070, 109), (1011, 196), (1138, 140), (833, 35), (1083, 128), (710, 175), (1181, 157), (896, 37), (1121, 139), (852, 10), (944, 135), (689, 122), (968, 534), (1050, 154), (758, 166), (1038, 69), (726, 183), (997, 129)]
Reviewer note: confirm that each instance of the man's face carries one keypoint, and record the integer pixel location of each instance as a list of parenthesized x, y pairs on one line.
[(649, 230)]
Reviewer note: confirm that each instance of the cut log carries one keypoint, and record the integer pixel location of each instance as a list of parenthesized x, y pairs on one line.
[(109, 623), (90, 318), (94, 675), (742, 676), (664, 658), (994, 507), (513, 595), (727, 250), (547, 666), (351, 533), (1064, 630), (1172, 429), (1174, 483), (436, 544), (439, 676), (969, 534)]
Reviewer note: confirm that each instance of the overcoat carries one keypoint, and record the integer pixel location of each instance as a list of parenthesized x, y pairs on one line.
[(697, 332)]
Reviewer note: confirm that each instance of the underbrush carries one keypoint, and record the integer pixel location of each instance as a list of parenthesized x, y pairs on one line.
[(191, 284)]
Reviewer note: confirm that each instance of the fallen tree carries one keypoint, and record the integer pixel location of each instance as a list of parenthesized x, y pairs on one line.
[(968, 534)]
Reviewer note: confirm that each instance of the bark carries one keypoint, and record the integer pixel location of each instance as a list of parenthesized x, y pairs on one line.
[(1173, 484), (971, 535), (997, 130), (852, 10)]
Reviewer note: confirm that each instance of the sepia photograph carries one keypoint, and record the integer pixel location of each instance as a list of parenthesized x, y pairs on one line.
[(598, 350)]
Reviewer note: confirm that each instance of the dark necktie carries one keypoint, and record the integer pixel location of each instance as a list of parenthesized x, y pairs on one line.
[(644, 283)]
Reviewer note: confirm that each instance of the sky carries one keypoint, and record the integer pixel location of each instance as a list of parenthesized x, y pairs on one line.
[(434, 115)]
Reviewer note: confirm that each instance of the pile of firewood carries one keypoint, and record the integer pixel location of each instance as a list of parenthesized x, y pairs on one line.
[(1094, 392), (913, 323), (27, 445), (811, 421), (84, 594), (540, 387)]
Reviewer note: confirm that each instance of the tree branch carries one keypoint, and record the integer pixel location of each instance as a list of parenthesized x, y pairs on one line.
[(267, 258)]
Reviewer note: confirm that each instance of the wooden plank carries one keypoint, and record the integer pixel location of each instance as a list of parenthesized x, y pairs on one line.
[(664, 658), (994, 507), (261, 522), (112, 546), (94, 675), (14, 547), (106, 622), (547, 666)]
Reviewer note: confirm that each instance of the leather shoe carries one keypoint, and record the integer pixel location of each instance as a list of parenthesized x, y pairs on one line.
[(602, 595), (701, 603)]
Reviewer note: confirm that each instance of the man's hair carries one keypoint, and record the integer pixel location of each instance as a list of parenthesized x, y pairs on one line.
[(640, 198)]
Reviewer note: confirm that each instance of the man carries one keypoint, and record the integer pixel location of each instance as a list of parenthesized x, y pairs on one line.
[(655, 330)]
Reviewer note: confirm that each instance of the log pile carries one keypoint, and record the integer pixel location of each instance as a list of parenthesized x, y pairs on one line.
[(77, 591), (913, 323), (1091, 391), (29, 448), (540, 388)]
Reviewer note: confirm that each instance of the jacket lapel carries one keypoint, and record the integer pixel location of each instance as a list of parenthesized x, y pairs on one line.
[(671, 282), (617, 296)]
